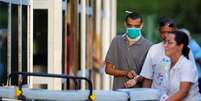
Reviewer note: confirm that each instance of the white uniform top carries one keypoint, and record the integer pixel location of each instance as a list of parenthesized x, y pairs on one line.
[(156, 67)]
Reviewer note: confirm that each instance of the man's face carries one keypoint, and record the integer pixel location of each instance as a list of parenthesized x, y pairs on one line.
[(134, 23), (164, 31)]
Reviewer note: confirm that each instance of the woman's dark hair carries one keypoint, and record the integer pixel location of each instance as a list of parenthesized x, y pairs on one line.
[(182, 38), (169, 22), (133, 15)]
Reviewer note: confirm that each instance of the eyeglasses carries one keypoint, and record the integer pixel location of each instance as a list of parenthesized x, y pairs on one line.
[(168, 42), (170, 24)]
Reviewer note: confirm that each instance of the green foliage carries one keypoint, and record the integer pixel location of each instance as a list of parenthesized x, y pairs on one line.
[(3, 16), (186, 13)]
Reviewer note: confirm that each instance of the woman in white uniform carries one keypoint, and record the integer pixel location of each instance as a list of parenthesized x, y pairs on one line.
[(181, 78)]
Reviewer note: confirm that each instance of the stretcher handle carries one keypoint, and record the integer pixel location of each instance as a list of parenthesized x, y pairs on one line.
[(26, 74)]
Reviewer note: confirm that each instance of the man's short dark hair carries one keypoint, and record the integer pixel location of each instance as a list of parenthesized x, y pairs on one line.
[(133, 15), (167, 21)]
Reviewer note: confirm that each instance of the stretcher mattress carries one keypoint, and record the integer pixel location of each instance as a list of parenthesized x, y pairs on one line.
[(7, 92), (142, 94)]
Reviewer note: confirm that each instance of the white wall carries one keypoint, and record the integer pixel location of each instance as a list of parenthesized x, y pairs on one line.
[(54, 39)]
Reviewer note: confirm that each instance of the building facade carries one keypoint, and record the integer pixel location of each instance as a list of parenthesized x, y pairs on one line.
[(56, 36)]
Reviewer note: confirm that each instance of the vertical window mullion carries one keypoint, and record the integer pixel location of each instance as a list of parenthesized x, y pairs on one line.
[(9, 38), (20, 36)]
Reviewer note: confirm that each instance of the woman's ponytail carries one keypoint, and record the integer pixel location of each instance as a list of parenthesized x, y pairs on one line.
[(185, 51), (182, 38)]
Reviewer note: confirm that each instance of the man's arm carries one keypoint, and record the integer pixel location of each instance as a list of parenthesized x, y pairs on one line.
[(147, 83), (109, 69)]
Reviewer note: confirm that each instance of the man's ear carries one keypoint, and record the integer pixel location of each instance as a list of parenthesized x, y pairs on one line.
[(142, 26)]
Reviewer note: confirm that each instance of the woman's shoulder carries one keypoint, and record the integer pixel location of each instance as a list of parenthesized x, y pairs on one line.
[(186, 64), (185, 61)]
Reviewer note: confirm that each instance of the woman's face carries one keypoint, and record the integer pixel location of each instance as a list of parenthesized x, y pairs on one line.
[(171, 47)]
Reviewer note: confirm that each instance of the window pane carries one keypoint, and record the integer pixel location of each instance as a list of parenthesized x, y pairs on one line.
[(40, 46), (14, 40), (24, 38), (3, 41), (40, 35)]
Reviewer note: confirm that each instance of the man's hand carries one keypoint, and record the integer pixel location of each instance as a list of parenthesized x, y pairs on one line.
[(131, 74), (130, 83)]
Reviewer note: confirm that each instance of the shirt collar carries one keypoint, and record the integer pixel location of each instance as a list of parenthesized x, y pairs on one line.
[(178, 62)]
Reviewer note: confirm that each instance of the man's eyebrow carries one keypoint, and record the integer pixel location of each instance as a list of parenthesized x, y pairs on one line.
[(133, 25)]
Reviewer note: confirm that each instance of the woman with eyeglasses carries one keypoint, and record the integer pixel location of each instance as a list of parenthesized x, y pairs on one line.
[(181, 76), (156, 59)]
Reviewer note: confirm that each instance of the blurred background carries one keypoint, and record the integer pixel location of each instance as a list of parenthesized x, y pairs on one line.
[(72, 37), (187, 14)]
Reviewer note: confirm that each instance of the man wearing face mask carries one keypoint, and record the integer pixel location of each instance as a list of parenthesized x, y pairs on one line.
[(127, 53)]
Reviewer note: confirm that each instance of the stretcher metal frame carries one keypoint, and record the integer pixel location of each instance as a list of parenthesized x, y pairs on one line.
[(19, 91)]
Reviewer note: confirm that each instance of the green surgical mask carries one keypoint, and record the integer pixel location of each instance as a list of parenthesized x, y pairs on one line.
[(133, 32)]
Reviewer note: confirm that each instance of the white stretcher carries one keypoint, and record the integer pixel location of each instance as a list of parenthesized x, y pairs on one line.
[(133, 94), (142, 94), (70, 95), (66, 95)]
